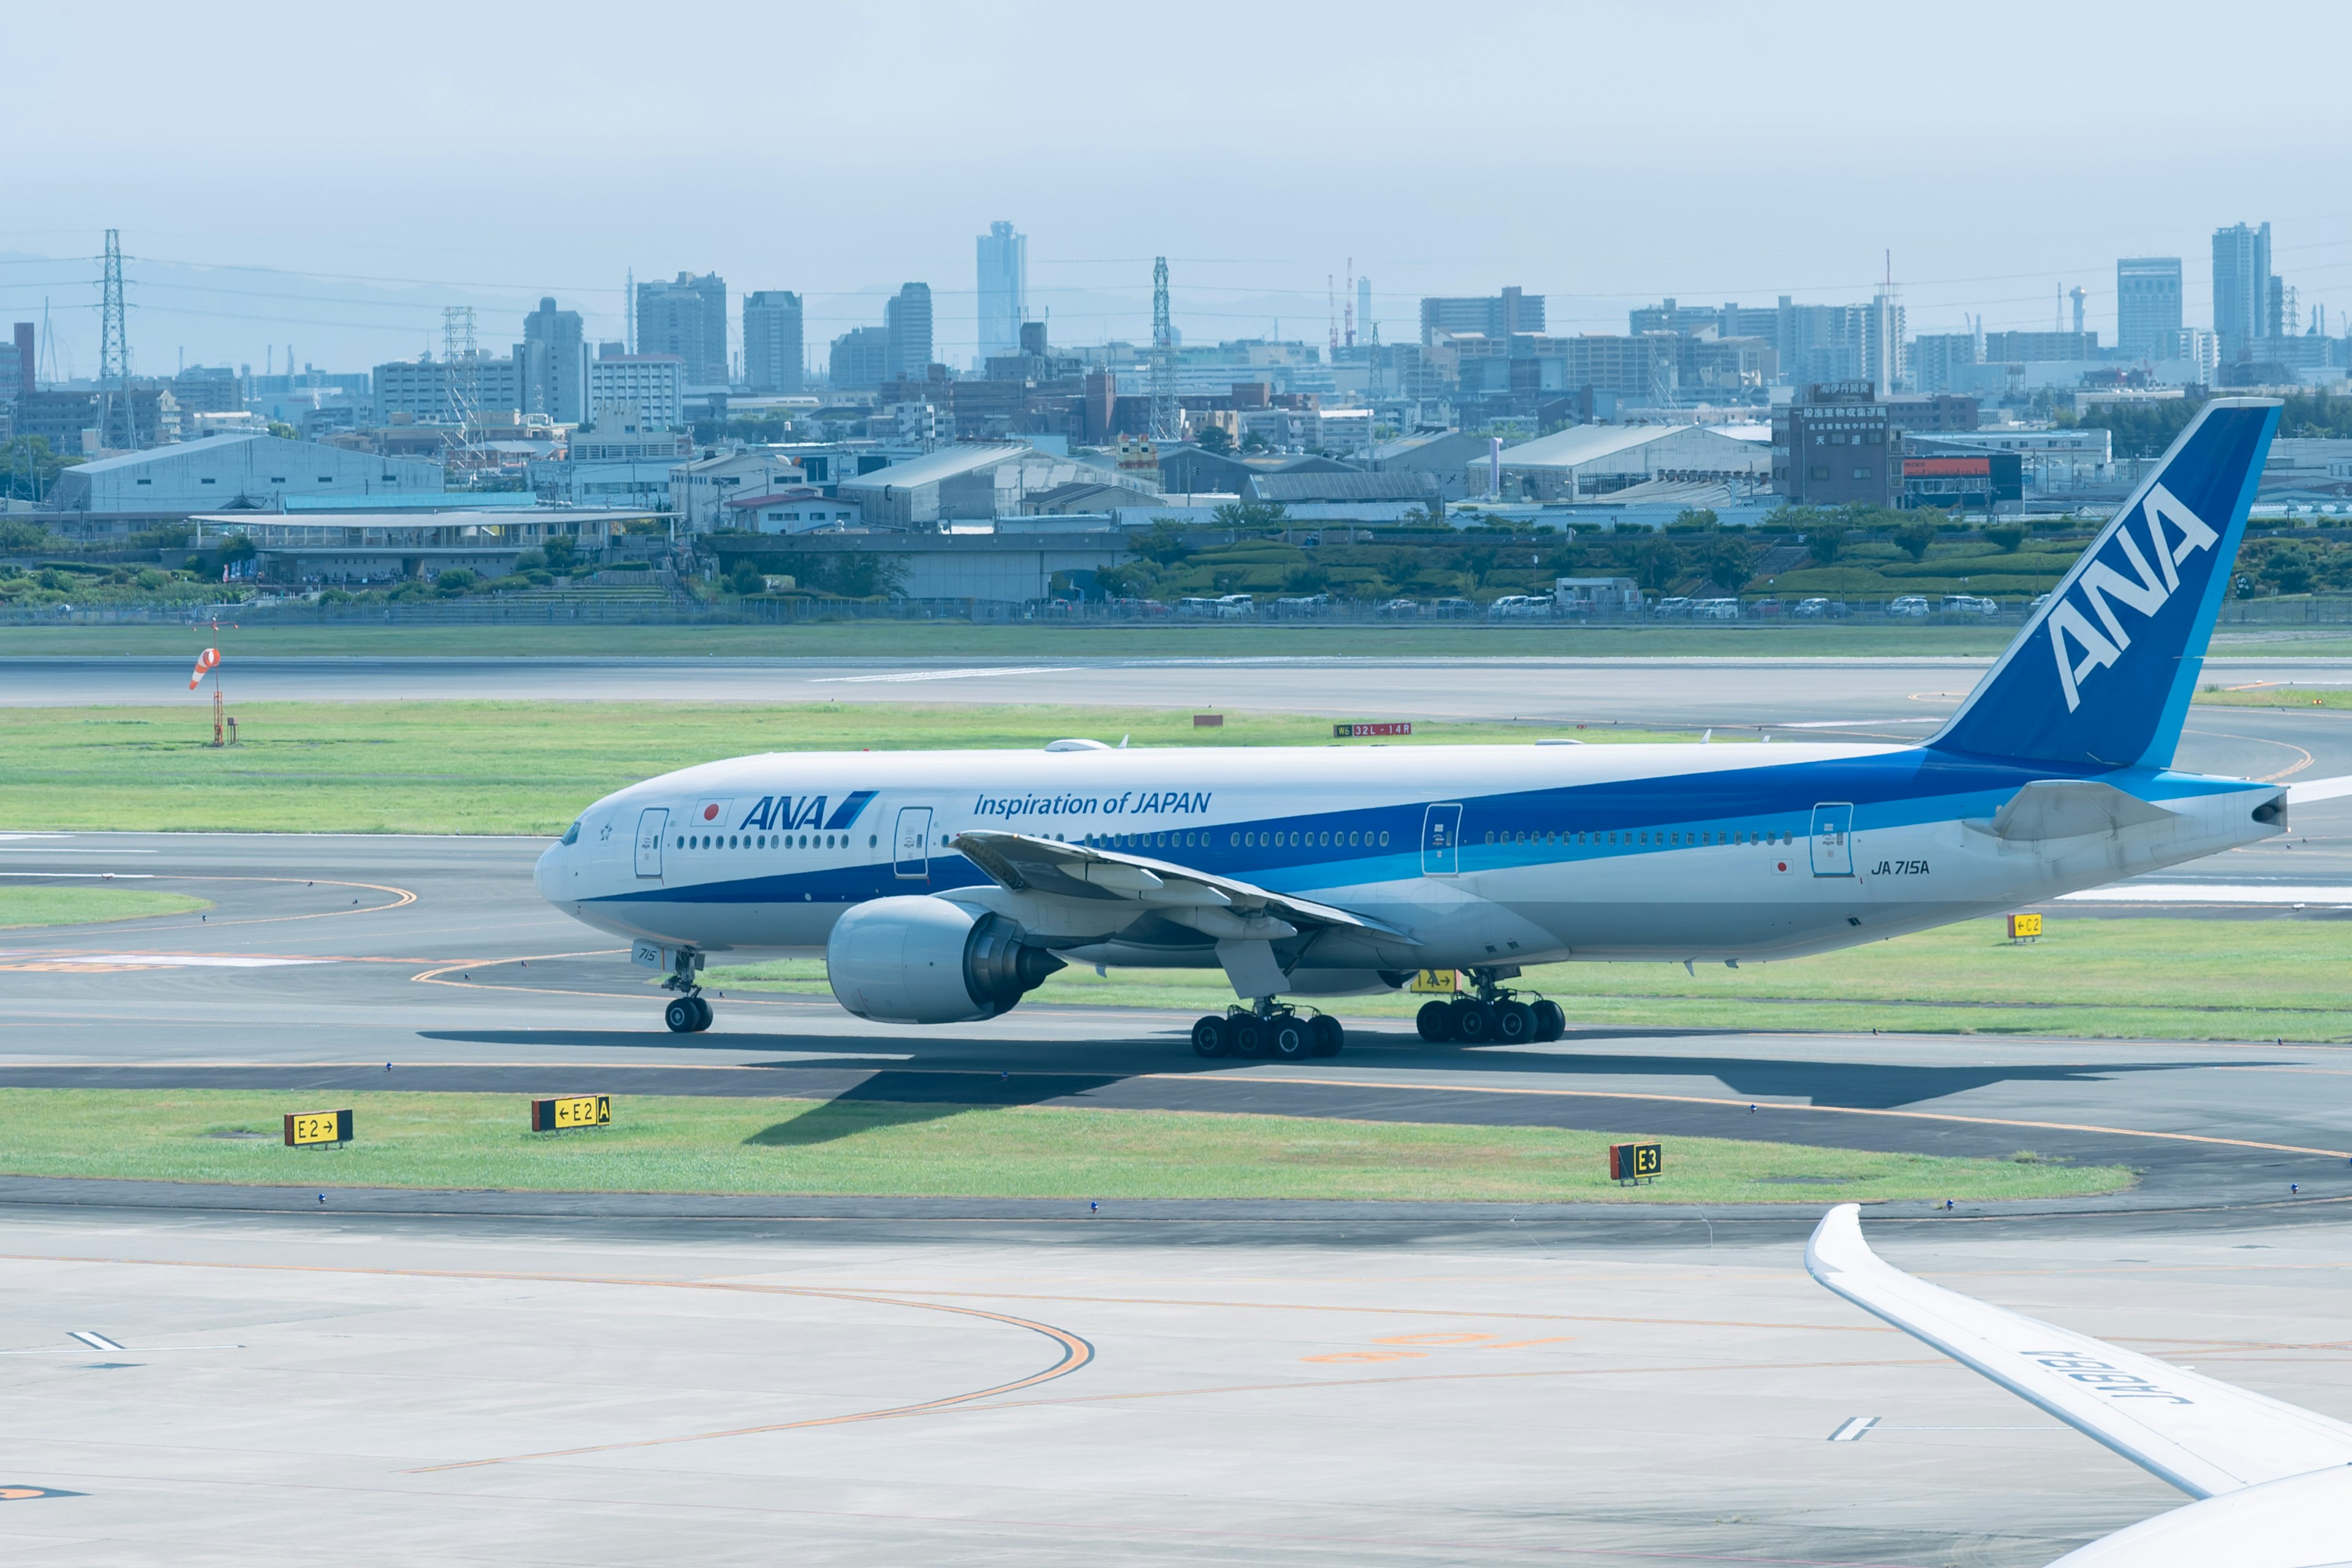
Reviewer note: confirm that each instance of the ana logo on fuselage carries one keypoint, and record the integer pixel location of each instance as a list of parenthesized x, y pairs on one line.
[(2145, 591)]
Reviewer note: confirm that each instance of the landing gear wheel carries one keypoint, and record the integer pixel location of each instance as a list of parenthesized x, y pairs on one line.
[(1435, 1022), (1551, 1022), (1249, 1037), (1291, 1038), (682, 1016), (1515, 1023), (702, 1014), (1212, 1036), (1327, 1035), (1474, 1022)]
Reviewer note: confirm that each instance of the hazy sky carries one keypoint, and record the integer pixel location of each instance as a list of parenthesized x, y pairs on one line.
[(333, 176)]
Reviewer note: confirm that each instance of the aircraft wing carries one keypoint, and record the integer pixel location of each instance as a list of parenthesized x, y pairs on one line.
[(2205, 1437), (1022, 863)]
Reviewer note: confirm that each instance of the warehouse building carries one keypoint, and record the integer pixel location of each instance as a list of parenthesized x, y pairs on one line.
[(231, 472), (1588, 460), (362, 548)]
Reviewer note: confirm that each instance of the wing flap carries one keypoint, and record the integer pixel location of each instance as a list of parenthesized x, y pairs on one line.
[(2314, 790), (1021, 863), (2203, 1436)]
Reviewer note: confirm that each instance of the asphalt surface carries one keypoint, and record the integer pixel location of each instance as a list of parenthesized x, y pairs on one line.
[(623, 1378)]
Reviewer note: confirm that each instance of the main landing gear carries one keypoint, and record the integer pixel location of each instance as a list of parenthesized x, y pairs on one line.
[(1491, 1015), (1269, 1030), (688, 1012)]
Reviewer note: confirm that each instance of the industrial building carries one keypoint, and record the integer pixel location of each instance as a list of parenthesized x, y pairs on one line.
[(1836, 445), (226, 472), (800, 509), (363, 547), (653, 384), (427, 391), (700, 491), (1592, 460), (1000, 565), (975, 480)]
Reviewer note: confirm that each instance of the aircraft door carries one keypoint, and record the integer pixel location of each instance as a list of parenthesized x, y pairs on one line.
[(1440, 840), (653, 826), (1834, 839), (912, 858)]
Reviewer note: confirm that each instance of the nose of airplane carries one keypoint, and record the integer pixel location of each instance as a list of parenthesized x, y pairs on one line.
[(549, 872)]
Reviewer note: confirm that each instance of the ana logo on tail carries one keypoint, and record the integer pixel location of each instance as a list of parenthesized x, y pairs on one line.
[(2145, 591)]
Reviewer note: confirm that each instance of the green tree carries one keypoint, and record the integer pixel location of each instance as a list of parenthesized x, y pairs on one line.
[(20, 536), (563, 553), (455, 582), (746, 577), (1214, 439), (2009, 536), (1162, 544), (1915, 538), (1695, 519), (284, 431), (1249, 516), (33, 466), (1824, 541)]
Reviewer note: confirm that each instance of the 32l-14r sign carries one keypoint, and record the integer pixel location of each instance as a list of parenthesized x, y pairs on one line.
[(1352, 731)]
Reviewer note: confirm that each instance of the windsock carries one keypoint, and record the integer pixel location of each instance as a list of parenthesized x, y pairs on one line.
[(206, 662)]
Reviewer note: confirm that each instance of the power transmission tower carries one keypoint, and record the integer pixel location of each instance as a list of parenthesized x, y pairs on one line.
[(461, 371), (115, 418), (1163, 357)]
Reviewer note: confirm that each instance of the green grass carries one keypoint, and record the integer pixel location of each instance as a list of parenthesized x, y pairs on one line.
[(40, 906), (2284, 696), (2119, 979), (517, 767), (714, 1145)]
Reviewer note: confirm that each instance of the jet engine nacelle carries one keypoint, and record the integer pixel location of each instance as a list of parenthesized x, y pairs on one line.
[(926, 960)]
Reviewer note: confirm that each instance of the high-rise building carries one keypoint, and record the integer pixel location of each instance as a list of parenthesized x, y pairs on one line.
[(1496, 315), (1881, 344), (1004, 290), (2148, 305), (553, 355), (860, 358), (771, 341), (24, 366), (2242, 288), (687, 318), (653, 384), (907, 318)]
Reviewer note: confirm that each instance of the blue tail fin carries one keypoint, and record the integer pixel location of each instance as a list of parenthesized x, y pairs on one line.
[(2101, 674)]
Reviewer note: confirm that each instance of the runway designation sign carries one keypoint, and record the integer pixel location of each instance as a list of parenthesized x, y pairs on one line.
[(307, 1129), (570, 1111), (1636, 1162)]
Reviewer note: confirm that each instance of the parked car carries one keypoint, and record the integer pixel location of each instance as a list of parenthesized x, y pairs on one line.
[(1970, 604), (1206, 609), (1451, 609), (1139, 609), (1303, 605), (1518, 606), (1671, 608), (1399, 608), (1235, 606), (1909, 606), (1715, 610), (1821, 610)]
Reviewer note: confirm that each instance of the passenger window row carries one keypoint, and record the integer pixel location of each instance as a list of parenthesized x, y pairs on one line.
[(1299, 840), (769, 841), (1624, 837)]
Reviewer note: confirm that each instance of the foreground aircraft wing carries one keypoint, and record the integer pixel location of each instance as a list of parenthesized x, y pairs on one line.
[(1022, 864), (2279, 1478)]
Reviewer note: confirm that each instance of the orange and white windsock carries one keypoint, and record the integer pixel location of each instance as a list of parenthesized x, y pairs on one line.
[(206, 662)]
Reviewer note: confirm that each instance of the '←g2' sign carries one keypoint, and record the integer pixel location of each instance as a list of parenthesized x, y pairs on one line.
[(563, 1112), (305, 1129)]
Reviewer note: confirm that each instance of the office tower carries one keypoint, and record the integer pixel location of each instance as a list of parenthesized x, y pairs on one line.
[(1004, 290), (860, 358), (907, 318), (2148, 305), (553, 356), (1496, 315), (687, 318), (771, 341), (2242, 288)]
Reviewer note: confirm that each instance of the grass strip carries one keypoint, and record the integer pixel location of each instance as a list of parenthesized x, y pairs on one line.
[(2101, 978), (874, 1148), (46, 906), (528, 767)]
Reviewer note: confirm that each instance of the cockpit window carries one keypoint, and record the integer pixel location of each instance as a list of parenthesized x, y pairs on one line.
[(571, 834)]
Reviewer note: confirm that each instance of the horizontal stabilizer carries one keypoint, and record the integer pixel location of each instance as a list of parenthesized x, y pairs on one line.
[(2317, 790), (2068, 808), (2203, 1436)]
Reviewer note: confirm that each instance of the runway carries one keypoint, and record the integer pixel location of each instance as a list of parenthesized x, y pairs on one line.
[(588, 1379)]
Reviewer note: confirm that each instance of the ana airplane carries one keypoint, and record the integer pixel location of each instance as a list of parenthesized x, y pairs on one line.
[(944, 886), (2274, 1482)]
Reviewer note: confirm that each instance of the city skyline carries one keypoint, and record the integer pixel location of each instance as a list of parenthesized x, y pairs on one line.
[(384, 239)]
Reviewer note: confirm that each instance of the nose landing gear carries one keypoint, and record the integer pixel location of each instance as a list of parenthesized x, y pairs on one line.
[(1492, 1014), (688, 1012)]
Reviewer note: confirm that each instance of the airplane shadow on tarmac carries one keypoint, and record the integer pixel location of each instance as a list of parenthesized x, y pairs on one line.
[(970, 1072)]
